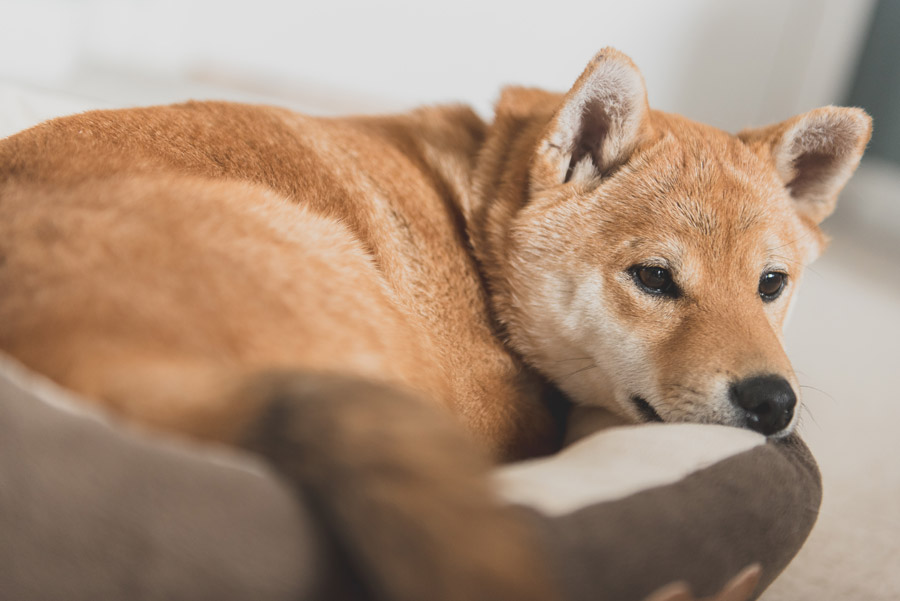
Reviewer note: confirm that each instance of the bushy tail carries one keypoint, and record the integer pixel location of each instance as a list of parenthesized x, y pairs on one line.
[(401, 488)]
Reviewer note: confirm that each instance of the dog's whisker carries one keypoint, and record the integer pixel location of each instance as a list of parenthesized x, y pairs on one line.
[(689, 389), (787, 259), (578, 371), (806, 235), (820, 391), (805, 411), (574, 359), (802, 265)]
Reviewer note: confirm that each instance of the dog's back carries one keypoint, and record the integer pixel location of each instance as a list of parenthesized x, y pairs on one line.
[(148, 252)]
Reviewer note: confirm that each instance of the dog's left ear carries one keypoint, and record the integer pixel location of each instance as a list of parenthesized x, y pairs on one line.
[(815, 154), (602, 119)]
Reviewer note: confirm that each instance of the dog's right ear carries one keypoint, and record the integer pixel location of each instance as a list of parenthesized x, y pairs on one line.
[(603, 118), (814, 154)]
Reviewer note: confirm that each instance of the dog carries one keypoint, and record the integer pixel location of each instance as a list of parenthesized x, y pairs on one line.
[(159, 260)]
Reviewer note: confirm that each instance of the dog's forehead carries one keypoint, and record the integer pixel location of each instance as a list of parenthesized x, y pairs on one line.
[(698, 181), (701, 195)]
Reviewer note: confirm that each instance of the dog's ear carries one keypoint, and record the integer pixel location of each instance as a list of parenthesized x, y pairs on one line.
[(815, 154), (603, 118)]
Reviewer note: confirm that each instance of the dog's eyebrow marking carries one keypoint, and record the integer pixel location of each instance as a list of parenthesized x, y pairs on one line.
[(782, 259), (776, 260)]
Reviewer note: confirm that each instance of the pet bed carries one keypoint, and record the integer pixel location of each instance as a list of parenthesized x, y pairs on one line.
[(91, 510)]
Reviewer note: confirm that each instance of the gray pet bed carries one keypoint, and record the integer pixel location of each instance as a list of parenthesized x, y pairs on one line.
[(93, 511)]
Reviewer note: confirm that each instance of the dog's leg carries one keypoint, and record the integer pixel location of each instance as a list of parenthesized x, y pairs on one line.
[(401, 489)]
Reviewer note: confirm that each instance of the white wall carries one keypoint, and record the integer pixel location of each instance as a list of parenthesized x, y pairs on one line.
[(728, 62)]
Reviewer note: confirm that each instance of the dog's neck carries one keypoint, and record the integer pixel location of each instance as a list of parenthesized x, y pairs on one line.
[(500, 180)]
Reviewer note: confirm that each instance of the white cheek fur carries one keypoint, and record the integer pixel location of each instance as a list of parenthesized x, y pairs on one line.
[(563, 328)]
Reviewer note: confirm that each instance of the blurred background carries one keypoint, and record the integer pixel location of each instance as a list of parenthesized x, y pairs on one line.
[(730, 63), (727, 62)]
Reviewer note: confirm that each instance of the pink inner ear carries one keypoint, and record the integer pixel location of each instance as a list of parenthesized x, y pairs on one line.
[(817, 155), (812, 170), (593, 131), (602, 118)]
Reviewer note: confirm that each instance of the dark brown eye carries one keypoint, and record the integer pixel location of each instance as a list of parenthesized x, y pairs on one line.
[(771, 283), (654, 280)]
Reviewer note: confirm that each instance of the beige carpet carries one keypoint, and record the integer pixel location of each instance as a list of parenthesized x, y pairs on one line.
[(844, 339)]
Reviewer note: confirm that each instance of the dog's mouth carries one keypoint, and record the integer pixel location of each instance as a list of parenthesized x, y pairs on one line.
[(645, 409)]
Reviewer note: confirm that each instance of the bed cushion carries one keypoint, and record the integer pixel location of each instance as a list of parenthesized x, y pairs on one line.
[(631, 509)]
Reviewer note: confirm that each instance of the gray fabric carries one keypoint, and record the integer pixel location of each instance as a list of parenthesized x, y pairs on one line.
[(755, 507), (91, 513)]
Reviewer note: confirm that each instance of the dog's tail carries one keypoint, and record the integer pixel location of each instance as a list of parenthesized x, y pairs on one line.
[(401, 488)]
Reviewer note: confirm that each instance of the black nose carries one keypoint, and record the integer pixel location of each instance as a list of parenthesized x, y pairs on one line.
[(768, 402)]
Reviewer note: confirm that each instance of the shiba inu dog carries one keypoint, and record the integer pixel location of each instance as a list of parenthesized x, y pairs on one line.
[(159, 260)]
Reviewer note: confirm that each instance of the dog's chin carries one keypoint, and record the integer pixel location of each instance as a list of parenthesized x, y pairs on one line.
[(648, 414), (785, 432)]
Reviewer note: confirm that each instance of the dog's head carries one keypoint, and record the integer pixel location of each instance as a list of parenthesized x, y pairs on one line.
[(649, 262)]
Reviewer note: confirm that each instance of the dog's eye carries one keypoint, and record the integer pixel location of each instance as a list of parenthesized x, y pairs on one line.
[(771, 283), (654, 280)]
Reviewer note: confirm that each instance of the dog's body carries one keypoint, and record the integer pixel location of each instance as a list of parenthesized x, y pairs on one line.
[(154, 259), (199, 240)]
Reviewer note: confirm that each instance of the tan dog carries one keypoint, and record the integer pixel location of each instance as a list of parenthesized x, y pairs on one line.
[(646, 263), (155, 259)]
